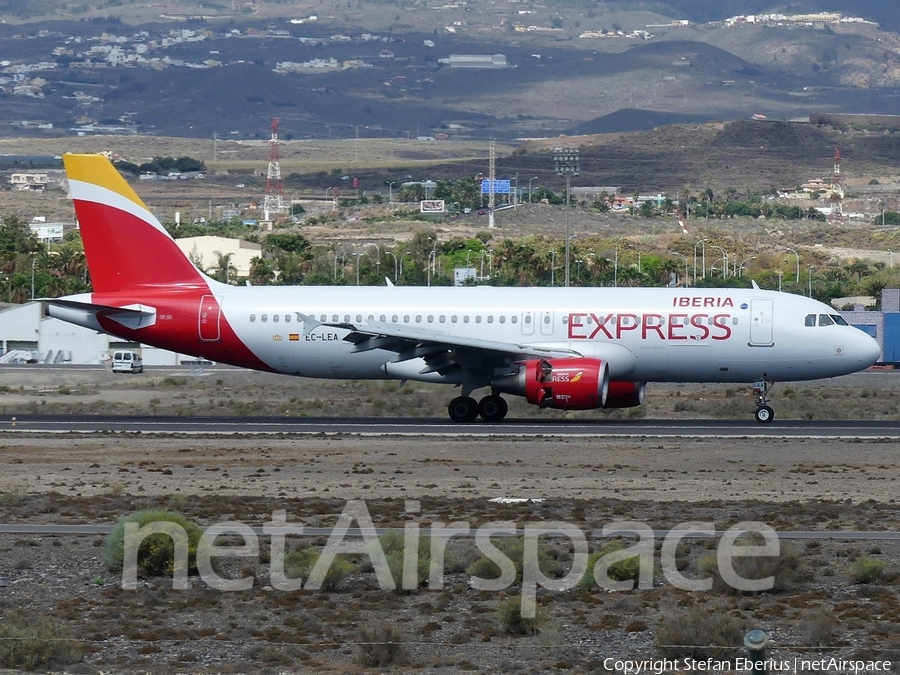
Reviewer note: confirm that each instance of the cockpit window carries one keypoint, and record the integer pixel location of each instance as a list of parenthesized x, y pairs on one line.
[(839, 320), (825, 320), (810, 319)]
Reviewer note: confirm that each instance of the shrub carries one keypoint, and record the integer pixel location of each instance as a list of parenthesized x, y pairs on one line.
[(380, 644), (787, 568), (35, 645), (511, 620), (680, 635), (299, 565), (623, 570), (392, 544), (514, 549), (156, 554), (866, 570), (818, 629)]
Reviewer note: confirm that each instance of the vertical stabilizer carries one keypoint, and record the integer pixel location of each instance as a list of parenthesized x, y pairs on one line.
[(125, 245)]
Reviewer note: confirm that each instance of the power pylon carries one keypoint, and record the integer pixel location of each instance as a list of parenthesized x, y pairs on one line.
[(274, 201)]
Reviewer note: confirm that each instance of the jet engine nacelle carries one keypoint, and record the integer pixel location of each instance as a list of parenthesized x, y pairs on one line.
[(567, 384), (625, 394)]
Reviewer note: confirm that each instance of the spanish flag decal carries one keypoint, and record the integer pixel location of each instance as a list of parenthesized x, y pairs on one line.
[(294, 337)]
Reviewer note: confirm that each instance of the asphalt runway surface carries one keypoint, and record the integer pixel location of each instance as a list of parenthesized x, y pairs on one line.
[(385, 426)]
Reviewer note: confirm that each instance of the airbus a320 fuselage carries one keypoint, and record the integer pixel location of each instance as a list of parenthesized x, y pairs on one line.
[(561, 348)]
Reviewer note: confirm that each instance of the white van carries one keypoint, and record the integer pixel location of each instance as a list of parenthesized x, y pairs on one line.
[(127, 362)]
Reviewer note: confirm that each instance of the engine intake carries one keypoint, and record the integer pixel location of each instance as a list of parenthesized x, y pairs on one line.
[(566, 384)]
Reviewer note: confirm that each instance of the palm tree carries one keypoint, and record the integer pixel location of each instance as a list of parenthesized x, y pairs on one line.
[(223, 270)]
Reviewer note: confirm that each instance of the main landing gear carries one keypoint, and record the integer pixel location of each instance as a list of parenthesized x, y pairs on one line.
[(764, 413), (491, 408)]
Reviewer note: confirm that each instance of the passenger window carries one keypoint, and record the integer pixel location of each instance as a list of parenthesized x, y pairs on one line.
[(418, 318), (430, 318), (453, 319), (478, 318), (359, 318), (263, 318), (443, 319), (466, 319), (565, 320), (825, 320), (252, 318), (323, 318), (734, 321), (382, 318), (839, 320), (406, 318), (528, 318), (394, 318), (514, 319), (590, 319), (346, 318), (275, 318), (502, 319), (287, 318), (810, 319), (334, 318), (547, 319), (490, 318)]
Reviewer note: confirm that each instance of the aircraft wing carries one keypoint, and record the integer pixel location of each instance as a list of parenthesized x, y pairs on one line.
[(440, 351)]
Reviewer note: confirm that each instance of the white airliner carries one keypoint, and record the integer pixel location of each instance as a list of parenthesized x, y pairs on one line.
[(571, 349)]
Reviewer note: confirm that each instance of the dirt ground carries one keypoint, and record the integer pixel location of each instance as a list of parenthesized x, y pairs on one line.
[(817, 610)]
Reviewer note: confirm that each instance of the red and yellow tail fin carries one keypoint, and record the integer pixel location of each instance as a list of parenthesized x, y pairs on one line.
[(124, 243)]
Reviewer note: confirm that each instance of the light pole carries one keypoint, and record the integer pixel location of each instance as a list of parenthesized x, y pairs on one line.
[(724, 260), (529, 188), (33, 261), (740, 269), (810, 268), (685, 266), (699, 242), (516, 193), (788, 248), (391, 184), (552, 267), (401, 261), (378, 259), (616, 266), (892, 258), (358, 256), (780, 274), (566, 163), (332, 197), (394, 256)]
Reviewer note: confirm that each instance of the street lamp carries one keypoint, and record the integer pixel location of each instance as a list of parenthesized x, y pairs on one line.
[(332, 196), (811, 268), (699, 242), (401, 261), (685, 266), (616, 266), (391, 184), (552, 267), (358, 256), (378, 259), (788, 248), (780, 274), (529, 188), (740, 269), (394, 256), (565, 161), (724, 259), (33, 261)]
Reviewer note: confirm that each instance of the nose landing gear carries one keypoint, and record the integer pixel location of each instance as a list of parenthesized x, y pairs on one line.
[(764, 413)]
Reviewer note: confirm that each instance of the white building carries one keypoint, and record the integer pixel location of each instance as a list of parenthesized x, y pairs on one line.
[(26, 334), (475, 61), (204, 252), (29, 181)]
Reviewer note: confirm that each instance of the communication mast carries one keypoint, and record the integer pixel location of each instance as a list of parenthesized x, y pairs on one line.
[(837, 190), (274, 202)]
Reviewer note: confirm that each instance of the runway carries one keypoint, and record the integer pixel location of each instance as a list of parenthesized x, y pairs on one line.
[(510, 428)]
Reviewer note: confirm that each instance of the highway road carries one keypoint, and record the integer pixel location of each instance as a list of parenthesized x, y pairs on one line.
[(386, 426)]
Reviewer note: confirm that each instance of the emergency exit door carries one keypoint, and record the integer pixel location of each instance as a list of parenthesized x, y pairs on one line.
[(209, 318), (761, 323)]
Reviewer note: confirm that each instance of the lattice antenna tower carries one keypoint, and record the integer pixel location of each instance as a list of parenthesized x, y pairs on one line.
[(491, 175), (837, 189), (274, 201)]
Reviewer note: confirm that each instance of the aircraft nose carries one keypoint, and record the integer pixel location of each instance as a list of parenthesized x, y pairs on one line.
[(869, 350)]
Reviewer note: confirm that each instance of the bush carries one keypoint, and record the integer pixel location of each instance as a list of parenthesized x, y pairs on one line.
[(156, 554), (680, 635), (35, 645), (511, 620), (866, 570), (514, 549), (787, 568), (818, 629), (380, 644), (624, 570), (392, 544), (299, 565)]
